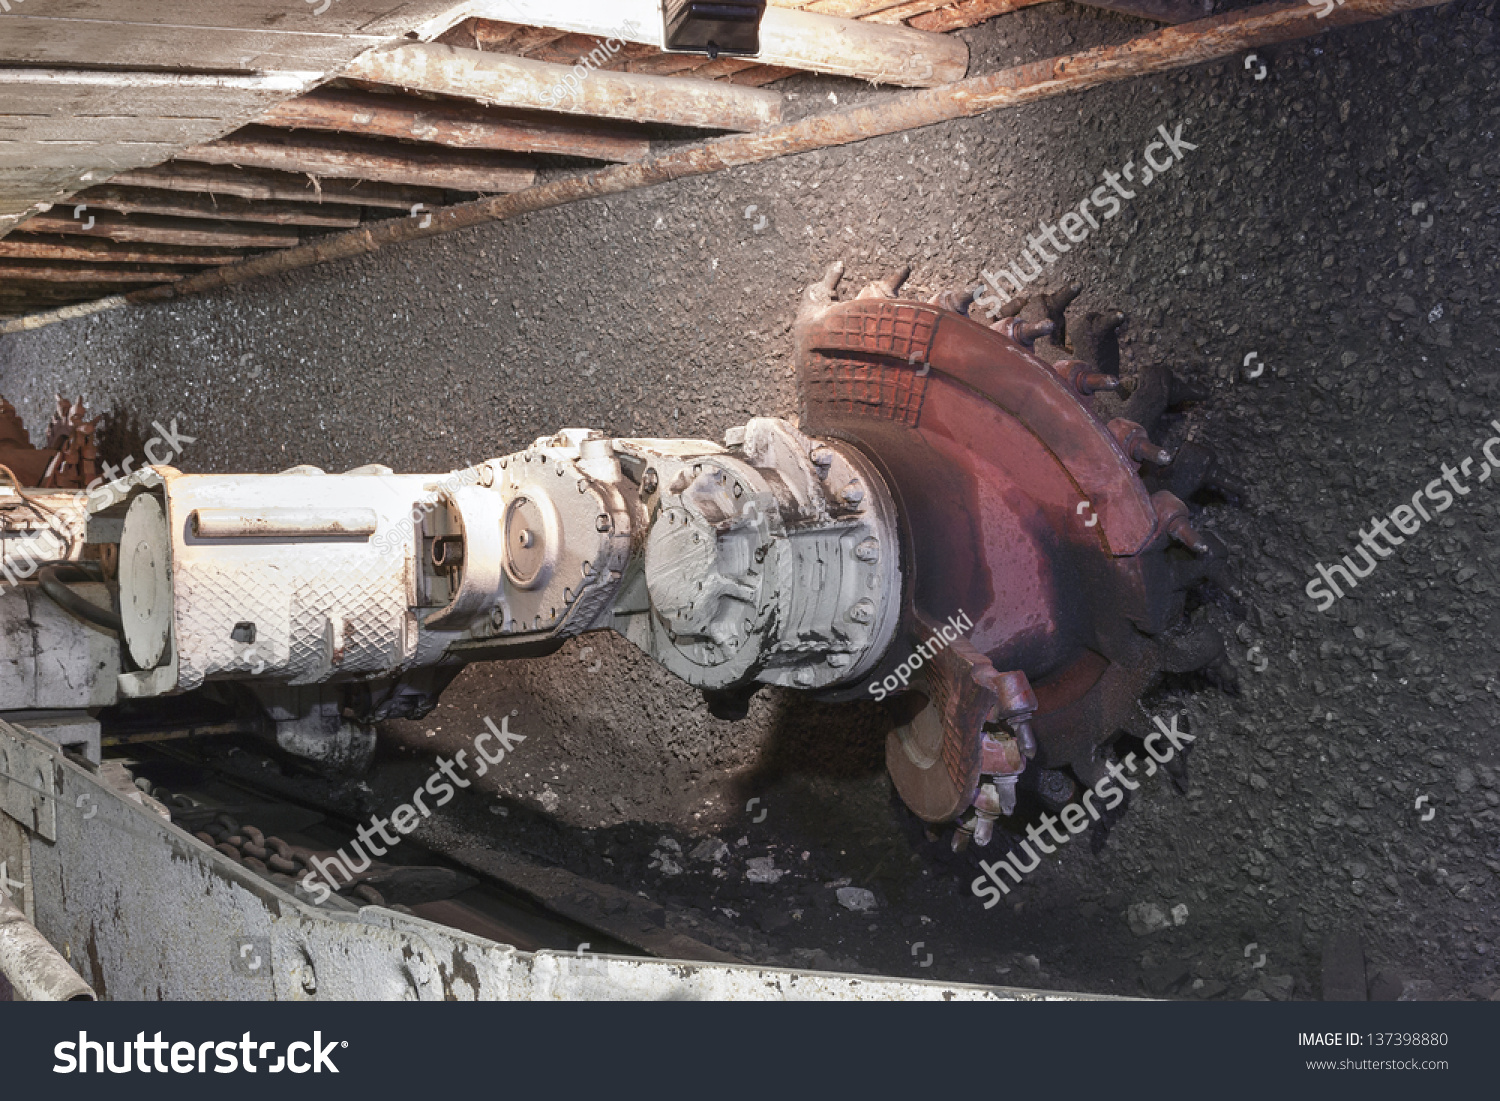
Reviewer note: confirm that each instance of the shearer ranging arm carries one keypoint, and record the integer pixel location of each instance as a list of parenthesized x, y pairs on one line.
[(952, 524)]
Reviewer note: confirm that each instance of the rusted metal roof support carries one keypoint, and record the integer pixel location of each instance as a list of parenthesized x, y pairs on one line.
[(1164, 50)]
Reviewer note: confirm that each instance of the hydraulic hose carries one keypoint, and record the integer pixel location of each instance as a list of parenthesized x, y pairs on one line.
[(54, 577)]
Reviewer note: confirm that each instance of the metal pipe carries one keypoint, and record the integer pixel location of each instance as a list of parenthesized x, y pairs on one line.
[(283, 523), (35, 970)]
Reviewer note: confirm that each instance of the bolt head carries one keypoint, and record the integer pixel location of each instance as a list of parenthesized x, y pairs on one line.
[(868, 550), (852, 494)]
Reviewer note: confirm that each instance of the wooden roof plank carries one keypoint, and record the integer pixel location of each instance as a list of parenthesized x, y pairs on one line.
[(453, 124), (804, 40), (259, 183), (355, 158), (130, 200), (909, 9), (135, 96), (967, 13), (85, 273), (243, 35), (507, 81), (167, 231), (27, 246)]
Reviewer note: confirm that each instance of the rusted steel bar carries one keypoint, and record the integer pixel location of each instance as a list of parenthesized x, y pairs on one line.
[(1160, 51), (35, 970)]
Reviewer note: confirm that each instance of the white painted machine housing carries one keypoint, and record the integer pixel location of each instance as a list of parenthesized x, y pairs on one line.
[(318, 584)]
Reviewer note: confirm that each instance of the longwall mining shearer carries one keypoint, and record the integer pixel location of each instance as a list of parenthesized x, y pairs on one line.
[(952, 524)]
